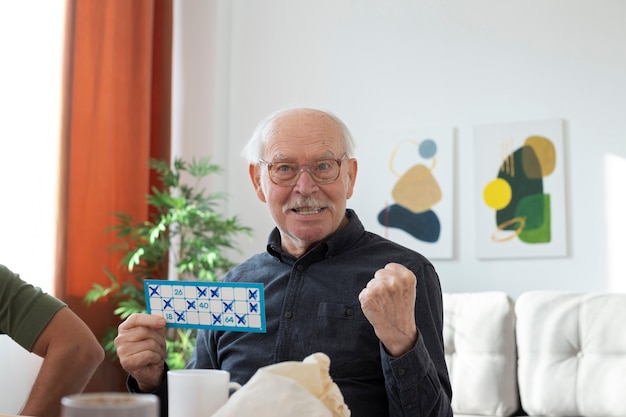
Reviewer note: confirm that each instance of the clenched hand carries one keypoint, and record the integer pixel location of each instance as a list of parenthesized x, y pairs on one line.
[(388, 302)]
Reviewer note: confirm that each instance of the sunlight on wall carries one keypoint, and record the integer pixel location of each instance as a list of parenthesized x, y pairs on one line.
[(31, 46), (615, 172)]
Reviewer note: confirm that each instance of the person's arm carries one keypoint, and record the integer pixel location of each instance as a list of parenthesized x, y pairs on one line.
[(414, 385), (71, 353), (141, 347), (421, 375), (408, 319)]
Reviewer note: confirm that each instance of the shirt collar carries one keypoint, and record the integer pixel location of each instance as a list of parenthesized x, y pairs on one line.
[(332, 246)]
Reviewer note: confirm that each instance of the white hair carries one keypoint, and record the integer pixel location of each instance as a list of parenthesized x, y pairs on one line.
[(253, 150)]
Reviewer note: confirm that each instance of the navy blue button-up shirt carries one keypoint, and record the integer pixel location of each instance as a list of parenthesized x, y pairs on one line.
[(311, 305)]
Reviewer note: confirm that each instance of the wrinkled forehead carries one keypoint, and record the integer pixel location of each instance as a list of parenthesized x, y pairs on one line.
[(303, 132)]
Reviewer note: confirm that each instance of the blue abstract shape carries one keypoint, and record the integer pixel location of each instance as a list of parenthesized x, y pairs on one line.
[(428, 148), (424, 226)]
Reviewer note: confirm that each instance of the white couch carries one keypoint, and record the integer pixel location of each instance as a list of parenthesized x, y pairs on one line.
[(544, 354)]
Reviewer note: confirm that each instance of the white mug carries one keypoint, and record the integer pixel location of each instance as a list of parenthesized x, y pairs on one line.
[(197, 392), (110, 404)]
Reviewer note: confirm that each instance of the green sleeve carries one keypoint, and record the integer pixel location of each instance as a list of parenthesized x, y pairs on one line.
[(25, 310)]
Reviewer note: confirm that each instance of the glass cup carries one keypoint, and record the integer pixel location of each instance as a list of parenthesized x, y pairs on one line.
[(110, 404)]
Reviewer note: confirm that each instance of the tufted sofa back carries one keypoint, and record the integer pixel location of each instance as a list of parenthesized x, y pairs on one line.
[(479, 340), (552, 353), (572, 354)]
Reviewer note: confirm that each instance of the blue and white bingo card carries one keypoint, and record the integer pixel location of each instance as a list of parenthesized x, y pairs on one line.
[(233, 306)]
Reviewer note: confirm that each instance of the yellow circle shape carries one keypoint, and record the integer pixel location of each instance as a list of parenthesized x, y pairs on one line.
[(497, 194)]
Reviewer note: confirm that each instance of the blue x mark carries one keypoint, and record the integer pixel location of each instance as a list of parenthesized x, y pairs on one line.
[(254, 307), (228, 306), (215, 293), (154, 290), (181, 316), (252, 294), (217, 318), (201, 292), (167, 303), (191, 305), (241, 319)]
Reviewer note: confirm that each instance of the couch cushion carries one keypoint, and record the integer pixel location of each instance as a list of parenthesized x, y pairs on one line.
[(572, 353), (479, 339)]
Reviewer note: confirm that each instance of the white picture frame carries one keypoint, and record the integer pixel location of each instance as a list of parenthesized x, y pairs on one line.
[(520, 190), (408, 164)]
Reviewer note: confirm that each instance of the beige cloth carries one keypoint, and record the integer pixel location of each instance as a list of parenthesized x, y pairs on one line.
[(289, 389)]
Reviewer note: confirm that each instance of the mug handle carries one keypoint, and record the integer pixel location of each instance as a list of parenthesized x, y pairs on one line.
[(233, 387)]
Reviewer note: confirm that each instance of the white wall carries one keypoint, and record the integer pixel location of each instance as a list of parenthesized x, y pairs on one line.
[(31, 52), (407, 63), (31, 41), (23, 368)]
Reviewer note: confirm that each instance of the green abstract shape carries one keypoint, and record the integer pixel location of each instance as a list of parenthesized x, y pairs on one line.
[(531, 208), (536, 209), (521, 185)]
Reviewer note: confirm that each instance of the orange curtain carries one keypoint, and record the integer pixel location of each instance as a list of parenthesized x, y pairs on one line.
[(116, 116)]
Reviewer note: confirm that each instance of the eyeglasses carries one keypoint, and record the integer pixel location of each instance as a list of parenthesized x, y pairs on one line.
[(286, 174)]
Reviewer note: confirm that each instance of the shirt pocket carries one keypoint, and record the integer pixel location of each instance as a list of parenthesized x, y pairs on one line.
[(344, 334)]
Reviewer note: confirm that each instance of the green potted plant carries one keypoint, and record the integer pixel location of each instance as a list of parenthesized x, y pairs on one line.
[(184, 222)]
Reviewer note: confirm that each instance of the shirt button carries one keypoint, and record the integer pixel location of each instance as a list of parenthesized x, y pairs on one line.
[(288, 314), (349, 311), (401, 372), (299, 267), (409, 406)]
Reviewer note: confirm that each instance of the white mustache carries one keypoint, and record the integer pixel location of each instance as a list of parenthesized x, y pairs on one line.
[(307, 202)]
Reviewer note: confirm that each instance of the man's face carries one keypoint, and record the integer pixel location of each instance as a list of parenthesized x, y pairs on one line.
[(306, 212)]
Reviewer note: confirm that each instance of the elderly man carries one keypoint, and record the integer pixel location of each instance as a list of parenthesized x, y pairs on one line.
[(44, 325), (374, 307)]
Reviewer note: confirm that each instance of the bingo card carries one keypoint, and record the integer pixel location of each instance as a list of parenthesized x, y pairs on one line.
[(234, 306)]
